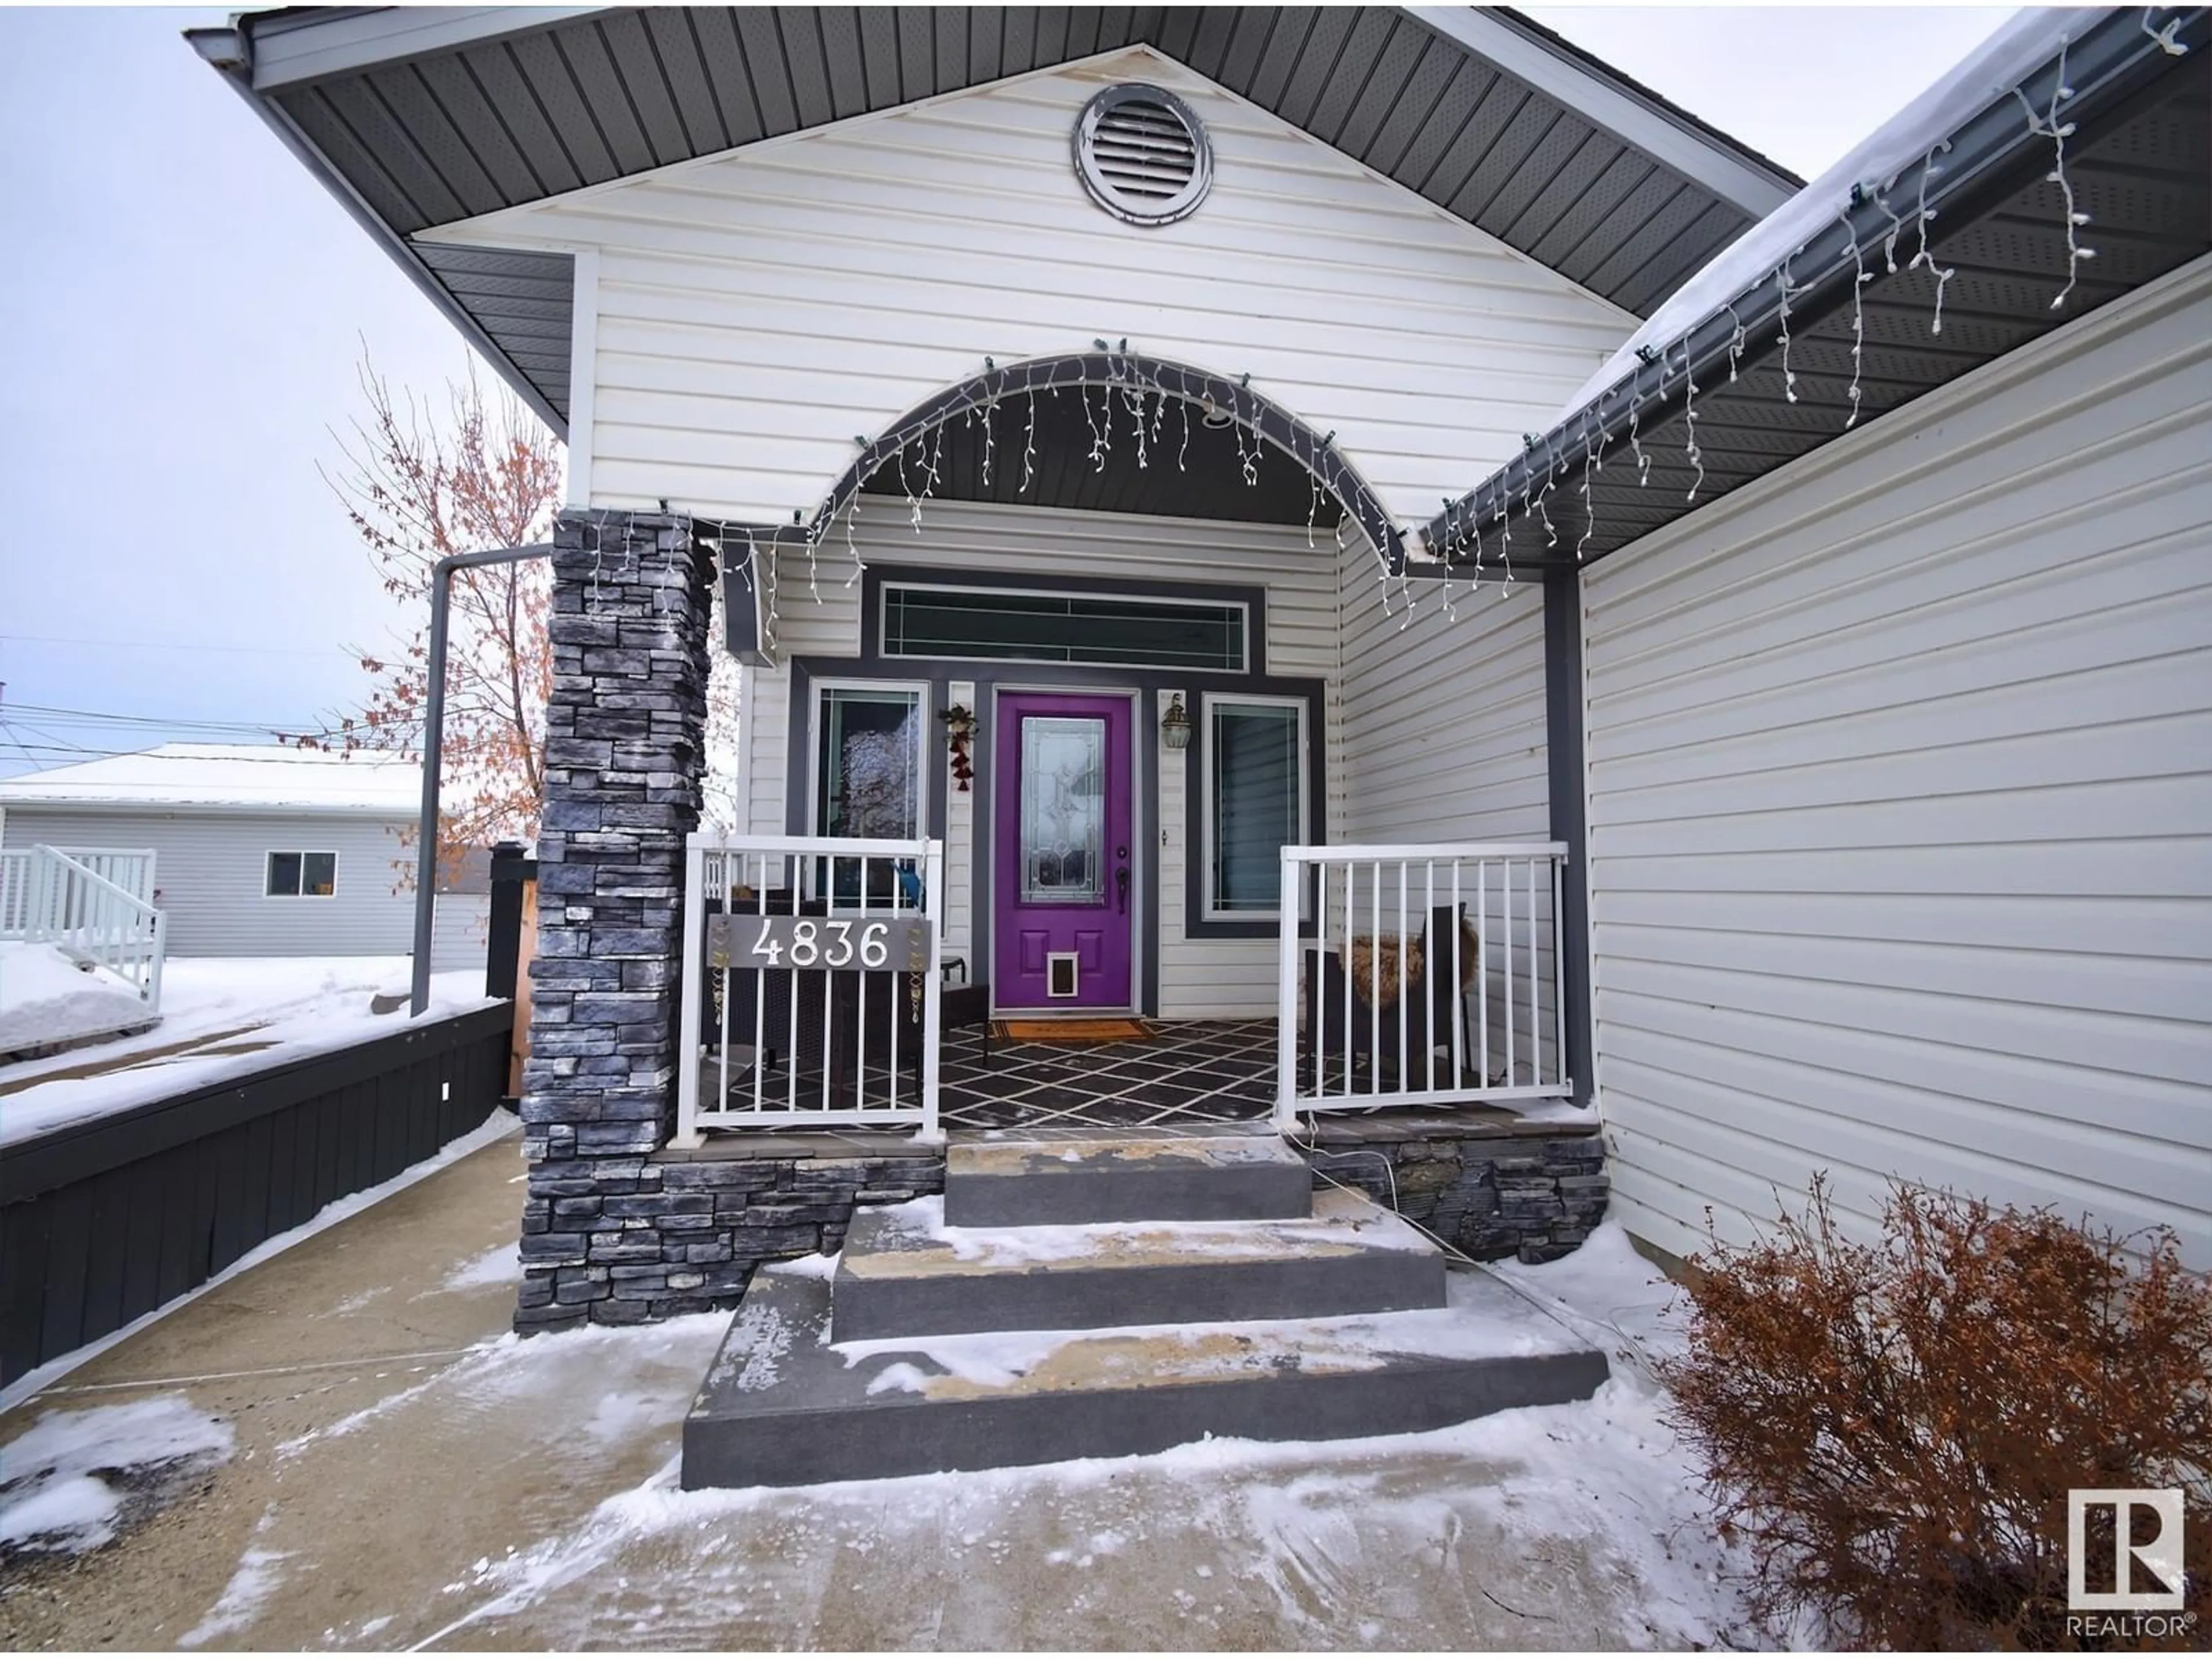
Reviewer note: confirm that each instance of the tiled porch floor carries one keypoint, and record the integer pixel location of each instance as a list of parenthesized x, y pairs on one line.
[(1189, 1077), (1189, 1073)]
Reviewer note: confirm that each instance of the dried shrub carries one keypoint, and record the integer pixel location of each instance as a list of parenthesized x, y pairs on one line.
[(1892, 1426)]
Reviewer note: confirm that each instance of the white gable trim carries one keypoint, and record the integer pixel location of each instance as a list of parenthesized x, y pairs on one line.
[(521, 227)]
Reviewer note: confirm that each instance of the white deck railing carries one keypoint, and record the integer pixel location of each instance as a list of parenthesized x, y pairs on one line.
[(131, 869), (1383, 1001), (15, 892), (810, 983), (69, 900)]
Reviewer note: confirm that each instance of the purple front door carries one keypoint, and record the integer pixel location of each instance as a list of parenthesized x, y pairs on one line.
[(1060, 856)]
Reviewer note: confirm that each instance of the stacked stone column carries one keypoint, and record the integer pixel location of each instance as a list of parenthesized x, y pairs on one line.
[(625, 739), (617, 1228)]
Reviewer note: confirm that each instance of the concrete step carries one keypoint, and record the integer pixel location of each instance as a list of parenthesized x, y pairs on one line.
[(782, 1406), (904, 1272), (1020, 1183)]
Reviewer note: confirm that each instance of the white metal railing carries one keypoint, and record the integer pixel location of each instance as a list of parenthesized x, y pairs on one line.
[(1401, 1007), (50, 896), (810, 983), (129, 868), (15, 892)]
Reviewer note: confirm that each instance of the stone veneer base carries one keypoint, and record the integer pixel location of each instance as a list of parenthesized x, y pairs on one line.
[(1488, 1187)]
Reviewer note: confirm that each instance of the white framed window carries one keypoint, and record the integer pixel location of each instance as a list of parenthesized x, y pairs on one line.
[(868, 773), (1254, 766), (300, 875)]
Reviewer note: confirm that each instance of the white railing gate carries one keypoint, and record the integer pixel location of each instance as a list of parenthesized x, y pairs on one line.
[(1431, 977), (810, 983)]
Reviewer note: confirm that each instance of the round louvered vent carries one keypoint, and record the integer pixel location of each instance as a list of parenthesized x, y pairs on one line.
[(1142, 154)]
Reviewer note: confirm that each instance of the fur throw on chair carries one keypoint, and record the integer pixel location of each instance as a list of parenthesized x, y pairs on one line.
[(1378, 977)]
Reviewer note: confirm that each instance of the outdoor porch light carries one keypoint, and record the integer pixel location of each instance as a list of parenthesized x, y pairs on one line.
[(1175, 724)]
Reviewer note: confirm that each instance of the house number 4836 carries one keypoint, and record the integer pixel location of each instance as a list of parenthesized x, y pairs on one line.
[(824, 944), (854, 945)]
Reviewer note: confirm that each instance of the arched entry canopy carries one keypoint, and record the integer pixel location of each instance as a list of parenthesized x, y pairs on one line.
[(1048, 430)]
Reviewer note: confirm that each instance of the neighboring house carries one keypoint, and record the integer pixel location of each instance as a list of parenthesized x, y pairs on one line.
[(1873, 718), (260, 851)]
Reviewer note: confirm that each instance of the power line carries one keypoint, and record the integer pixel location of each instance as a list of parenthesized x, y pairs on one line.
[(61, 716), (177, 645), (279, 757)]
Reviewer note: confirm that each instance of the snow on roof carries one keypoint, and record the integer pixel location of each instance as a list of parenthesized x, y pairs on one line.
[(220, 774), (2031, 38)]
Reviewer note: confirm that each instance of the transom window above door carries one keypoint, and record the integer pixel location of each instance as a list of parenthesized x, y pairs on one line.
[(1105, 630)]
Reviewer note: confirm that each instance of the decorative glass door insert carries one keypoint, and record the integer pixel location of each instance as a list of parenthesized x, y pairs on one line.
[(1063, 810)]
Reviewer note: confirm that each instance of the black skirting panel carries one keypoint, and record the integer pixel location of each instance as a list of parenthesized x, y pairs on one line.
[(104, 1221)]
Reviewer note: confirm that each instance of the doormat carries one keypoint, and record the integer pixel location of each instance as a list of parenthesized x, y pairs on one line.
[(1072, 1030)]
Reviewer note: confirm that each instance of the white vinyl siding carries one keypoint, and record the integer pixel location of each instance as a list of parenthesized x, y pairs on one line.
[(1445, 739), (755, 311), (212, 870), (1900, 797)]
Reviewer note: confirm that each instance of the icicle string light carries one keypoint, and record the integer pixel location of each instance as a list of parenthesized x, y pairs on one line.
[(1942, 274), (2048, 125), (1736, 342), (1029, 445), (1896, 228), (1696, 456), (1782, 286), (1589, 507), (1858, 319), (2167, 44)]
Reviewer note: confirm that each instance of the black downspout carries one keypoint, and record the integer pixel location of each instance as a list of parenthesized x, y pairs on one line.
[(1563, 732)]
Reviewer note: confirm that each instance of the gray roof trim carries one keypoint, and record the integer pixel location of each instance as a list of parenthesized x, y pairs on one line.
[(294, 46), (226, 49), (1747, 426), (1729, 171)]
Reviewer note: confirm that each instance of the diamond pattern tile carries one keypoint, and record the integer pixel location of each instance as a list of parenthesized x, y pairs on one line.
[(1191, 1073)]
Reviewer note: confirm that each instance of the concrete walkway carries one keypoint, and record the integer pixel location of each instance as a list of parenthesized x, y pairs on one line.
[(405, 1473)]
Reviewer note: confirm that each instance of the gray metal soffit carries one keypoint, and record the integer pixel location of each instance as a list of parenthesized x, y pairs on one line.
[(418, 118), (2140, 163)]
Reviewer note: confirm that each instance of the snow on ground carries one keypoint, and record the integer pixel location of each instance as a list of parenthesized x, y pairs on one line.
[(66, 1481), (249, 1590), (496, 1127), (239, 1015), (1613, 1297), (45, 997), (1553, 1519), (917, 1230), (500, 1265)]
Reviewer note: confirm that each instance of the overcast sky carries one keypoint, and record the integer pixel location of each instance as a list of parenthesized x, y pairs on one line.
[(185, 307)]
